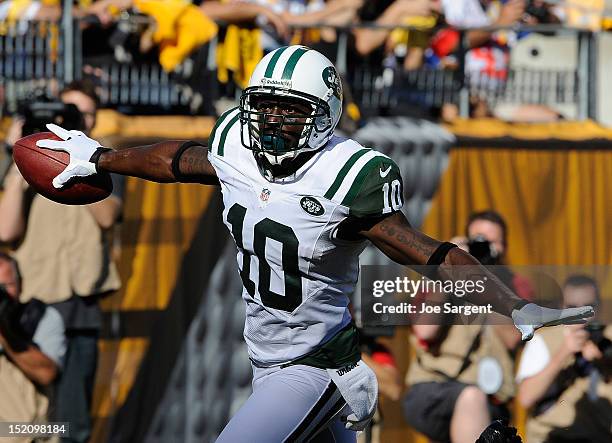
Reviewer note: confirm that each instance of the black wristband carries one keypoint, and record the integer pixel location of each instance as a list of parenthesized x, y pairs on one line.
[(177, 158), (438, 256), (436, 259), (95, 157)]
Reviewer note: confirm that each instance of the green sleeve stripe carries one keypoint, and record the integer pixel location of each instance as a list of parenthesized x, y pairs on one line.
[(343, 172), (290, 66), (221, 147), (219, 122), (273, 61), (358, 183)]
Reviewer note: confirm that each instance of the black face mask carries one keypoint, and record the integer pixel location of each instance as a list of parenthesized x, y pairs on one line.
[(269, 118)]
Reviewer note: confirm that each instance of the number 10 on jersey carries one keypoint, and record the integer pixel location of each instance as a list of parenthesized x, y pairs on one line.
[(391, 200), (263, 230)]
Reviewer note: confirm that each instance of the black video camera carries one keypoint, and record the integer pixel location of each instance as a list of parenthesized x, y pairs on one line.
[(538, 10), (596, 335), (5, 299), (10, 326), (37, 114), (483, 251)]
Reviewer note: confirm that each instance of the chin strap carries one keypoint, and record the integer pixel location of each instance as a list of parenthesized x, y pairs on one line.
[(286, 168)]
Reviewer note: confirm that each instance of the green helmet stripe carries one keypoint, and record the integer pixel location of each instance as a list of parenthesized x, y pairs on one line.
[(290, 66), (343, 172), (273, 61), (221, 147)]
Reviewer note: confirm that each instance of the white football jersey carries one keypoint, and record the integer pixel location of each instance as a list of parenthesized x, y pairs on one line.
[(297, 275)]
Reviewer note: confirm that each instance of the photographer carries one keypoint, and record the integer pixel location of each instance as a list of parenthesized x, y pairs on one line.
[(32, 347), (565, 376), (486, 239), (64, 254), (462, 375)]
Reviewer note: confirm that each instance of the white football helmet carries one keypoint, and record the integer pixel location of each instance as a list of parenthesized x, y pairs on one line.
[(291, 74)]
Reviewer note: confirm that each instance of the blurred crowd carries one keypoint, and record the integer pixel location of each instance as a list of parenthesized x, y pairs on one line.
[(398, 35), (59, 268), (464, 375)]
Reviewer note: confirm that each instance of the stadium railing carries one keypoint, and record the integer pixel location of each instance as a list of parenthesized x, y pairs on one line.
[(45, 56)]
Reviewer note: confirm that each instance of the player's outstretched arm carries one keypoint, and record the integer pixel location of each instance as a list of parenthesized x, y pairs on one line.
[(395, 237), (407, 246), (165, 162)]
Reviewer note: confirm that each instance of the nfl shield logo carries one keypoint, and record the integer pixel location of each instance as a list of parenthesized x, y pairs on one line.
[(265, 195)]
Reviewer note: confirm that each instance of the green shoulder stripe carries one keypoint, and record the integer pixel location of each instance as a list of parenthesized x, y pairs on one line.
[(221, 146), (343, 172), (377, 189), (359, 180), (219, 122)]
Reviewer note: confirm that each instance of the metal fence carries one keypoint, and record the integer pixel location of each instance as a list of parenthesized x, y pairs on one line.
[(31, 60), (46, 56)]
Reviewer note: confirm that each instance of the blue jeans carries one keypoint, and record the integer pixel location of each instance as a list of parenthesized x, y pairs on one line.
[(74, 388)]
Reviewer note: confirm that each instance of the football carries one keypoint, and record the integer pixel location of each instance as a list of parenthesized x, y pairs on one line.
[(40, 165)]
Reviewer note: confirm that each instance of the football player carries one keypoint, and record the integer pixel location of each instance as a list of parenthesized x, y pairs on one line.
[(301, 203)]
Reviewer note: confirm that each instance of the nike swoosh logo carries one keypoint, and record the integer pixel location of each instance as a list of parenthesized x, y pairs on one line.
[(383, 174)]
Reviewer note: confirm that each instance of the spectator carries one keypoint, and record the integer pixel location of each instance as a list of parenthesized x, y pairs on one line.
[(32, 348), (22, 12), (487, 59), (411, 45), (304, 12), (316, 12), (565, 376), (274, 18), (526, 113), (449, 399), (387, 13), (381, 360), (486, 237), (245, 12), (64, 254)]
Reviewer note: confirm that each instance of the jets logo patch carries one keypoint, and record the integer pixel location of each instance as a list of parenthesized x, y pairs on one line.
[(312, 206), (332, 81)]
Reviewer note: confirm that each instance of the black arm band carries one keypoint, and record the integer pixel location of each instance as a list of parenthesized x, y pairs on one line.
[(95, 157), (177, 158), (438, 256)]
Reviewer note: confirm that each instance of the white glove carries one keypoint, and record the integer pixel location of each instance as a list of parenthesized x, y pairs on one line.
[(358, 386), (531, 317), (79, 146)]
